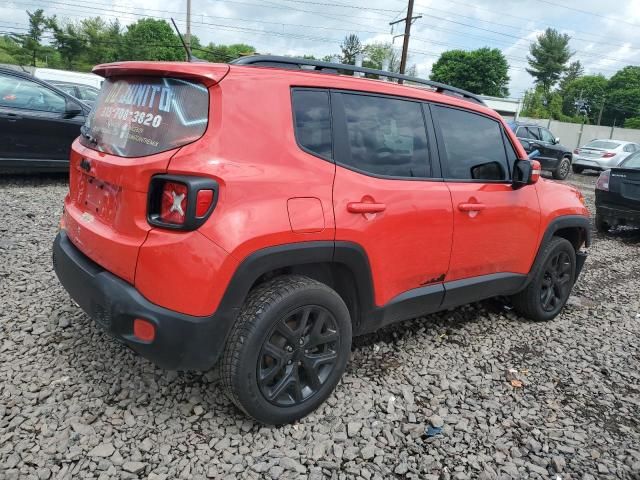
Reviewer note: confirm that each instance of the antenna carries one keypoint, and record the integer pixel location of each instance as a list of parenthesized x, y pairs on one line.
[(190, 57)]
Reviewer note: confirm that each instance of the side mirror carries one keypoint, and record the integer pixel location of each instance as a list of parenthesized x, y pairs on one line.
[(525, 172), (72, 109), (556, 140)]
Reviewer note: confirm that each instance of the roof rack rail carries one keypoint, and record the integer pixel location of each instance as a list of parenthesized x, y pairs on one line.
[(328, 67)]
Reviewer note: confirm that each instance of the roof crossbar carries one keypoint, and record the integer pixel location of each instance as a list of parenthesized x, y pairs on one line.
[(328, 67)]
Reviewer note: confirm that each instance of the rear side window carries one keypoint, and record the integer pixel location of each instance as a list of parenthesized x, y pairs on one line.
[(534, 133), (139, 116), (385, 136), (312, 118), (473, 146)]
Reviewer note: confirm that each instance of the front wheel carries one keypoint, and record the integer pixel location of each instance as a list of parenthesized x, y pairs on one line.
[(553, 275), (287, 350), (562, 170)]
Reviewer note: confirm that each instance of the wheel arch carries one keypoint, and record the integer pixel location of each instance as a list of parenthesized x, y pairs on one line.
[(343, 266)]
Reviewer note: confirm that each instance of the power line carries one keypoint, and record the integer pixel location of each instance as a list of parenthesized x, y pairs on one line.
[(587, 12)]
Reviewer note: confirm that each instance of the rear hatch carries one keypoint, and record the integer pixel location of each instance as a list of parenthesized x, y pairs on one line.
[(145, 113), (624, 188)]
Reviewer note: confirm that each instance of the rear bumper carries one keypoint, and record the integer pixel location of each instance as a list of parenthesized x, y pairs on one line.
[(614, 215), (182, 342)]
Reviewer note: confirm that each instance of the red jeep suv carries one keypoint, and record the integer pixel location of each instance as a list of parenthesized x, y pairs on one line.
[(258, 215)]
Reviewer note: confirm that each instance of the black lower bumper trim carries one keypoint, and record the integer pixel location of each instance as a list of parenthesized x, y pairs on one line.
[(615, 216), (182, 342)]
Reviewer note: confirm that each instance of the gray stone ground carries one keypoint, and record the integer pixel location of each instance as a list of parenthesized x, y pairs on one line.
[(75, 404)]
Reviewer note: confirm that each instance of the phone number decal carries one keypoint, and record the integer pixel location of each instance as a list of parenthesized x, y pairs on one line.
[(133, 116)]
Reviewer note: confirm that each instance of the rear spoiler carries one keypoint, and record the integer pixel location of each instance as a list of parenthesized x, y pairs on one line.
[(207, 73)]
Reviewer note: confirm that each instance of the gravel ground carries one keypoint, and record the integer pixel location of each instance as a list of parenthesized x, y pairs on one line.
[(75, 404)]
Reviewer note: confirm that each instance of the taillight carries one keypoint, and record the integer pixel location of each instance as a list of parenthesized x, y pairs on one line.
[(180, 202), (577, 151), (603, 181), (608, 155), (173, 207)]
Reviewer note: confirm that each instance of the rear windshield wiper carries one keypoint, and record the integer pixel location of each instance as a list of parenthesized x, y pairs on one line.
[(84, 131)]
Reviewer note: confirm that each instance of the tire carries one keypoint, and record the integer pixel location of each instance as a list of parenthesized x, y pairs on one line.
[(285, 326), (601, 225), (562, 170), (553, 275), (577, 169)]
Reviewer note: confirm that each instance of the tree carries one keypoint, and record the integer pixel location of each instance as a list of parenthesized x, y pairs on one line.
[(590, 89), (573, 72), (377, 54), (68, 41), (549, 55), (224, 53), (623, 96), (483, 71), (151, 39), (350, 47)]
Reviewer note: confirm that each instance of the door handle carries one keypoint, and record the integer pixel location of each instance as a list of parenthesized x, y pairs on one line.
[(471, 207), (365, 207), (12, 117)]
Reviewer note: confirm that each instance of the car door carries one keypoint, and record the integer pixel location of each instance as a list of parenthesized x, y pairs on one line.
[(388, 194), (495, 227), (11, 133), (43, 130)]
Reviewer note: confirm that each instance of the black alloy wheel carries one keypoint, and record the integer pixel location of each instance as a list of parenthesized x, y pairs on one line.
[(298, 355), (556, 282)]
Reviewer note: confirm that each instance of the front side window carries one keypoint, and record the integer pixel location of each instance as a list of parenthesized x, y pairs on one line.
[(16, 92), (547, 136), (473, 146), (312, 119), (139, 116), (385, 136)]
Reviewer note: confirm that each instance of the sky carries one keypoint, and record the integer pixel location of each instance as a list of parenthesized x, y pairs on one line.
[(605, 35)]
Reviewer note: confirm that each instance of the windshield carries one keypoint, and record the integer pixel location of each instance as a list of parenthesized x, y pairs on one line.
[(139, 116), (603, 144)]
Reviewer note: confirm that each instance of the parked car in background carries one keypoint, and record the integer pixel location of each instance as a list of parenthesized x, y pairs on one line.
[(602, 154), (79, 78), (82, 92), (618, 195), (357, 203), (553, 156), (38, 123)]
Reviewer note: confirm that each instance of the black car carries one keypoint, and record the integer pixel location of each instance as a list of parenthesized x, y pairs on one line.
[(38, 123), (553, 156), (86, 93), (618, 195)]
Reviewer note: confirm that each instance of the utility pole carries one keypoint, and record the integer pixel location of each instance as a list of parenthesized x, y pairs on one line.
[(187, 37), (600, 113), (408, 21)]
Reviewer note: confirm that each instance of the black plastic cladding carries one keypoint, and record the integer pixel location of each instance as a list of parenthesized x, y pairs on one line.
[(194, 185)]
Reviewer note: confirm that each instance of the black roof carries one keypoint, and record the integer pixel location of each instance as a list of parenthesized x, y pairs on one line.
[(328, 67)]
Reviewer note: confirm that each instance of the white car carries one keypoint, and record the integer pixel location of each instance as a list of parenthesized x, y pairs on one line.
[(602, 154)]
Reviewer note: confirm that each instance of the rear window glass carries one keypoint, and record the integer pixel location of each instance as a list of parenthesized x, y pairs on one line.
[(632, 161), (602, 144), (139, 116)]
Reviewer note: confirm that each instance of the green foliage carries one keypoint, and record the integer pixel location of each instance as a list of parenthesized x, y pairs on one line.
[(539, 104), (589, 88), (623, 96), (483, 71), (151, 39), (633, 122), (224, 53), (573, 72), (549, 55)]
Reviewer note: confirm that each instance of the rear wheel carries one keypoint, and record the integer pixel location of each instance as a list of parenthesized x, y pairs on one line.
[(577, 169), (553, 276), (562, 170), (287, 350)]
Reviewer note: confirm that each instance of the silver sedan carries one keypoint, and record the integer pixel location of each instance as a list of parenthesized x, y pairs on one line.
[(602, 154)]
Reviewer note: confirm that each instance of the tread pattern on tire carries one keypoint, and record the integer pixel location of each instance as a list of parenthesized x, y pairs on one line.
[(524, 302), (258, 300)]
